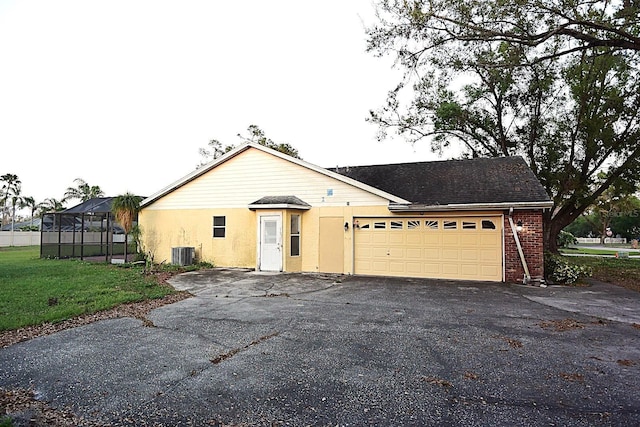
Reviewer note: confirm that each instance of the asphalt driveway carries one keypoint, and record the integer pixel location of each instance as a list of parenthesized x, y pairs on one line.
[(295, 349)]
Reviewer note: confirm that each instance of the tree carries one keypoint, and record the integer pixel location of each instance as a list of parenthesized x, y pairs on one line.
[(613, 202), (256, 135), (547, 29), (51, 205), (572, 114), (11, 192), (627, 224), (125, 208), (30, 202), (82, 191), (11, 189)]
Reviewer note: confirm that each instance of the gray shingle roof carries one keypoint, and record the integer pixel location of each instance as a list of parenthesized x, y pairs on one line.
[(95, 205), (469, 181), (280, 200)]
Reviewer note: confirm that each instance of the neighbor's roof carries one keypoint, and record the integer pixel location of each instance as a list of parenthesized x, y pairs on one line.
[(95, 205), (481, 181)]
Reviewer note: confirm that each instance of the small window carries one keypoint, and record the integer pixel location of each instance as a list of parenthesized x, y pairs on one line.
[(219, 226), (487, 224), (468, 225), (450, 225), (431, 224), (365, 226), (396, 225), (295, 235), (380, 225), (412, 225)]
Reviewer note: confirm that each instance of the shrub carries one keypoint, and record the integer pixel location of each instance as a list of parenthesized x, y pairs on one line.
[(559, 270), (565, 239)]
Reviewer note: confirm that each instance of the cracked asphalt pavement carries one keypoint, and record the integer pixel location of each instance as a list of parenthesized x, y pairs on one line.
[(305, 349)]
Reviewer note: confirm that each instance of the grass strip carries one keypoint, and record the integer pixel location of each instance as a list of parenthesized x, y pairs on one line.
[(35, 291)]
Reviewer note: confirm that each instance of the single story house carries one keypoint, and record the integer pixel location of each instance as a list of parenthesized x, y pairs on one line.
[(476, 219)]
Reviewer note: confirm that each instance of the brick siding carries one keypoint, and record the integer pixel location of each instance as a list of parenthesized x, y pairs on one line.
[(531, 239)]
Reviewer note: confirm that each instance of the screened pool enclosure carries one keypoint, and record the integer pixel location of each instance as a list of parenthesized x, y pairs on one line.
[(85, 231)]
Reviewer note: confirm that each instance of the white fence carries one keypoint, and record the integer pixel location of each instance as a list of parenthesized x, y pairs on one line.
[(596, 240), (20, 238)]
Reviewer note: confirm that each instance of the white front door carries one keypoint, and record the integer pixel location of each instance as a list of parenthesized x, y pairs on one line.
[(270, 243)]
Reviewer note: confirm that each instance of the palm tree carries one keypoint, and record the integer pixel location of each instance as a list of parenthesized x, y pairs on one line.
[(83, 191), (51, 205), (125, 208), (30, 202), (10, 190)]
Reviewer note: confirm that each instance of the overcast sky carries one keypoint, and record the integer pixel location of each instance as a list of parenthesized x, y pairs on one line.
[(123, 93)]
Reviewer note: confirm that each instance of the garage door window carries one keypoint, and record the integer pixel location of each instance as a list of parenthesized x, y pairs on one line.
[(450, 225), (487, 224), (413, 225), (431, 224), (396, 225), (379, 225), (468, 225)]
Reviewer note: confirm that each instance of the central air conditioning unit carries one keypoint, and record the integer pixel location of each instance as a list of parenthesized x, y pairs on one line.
[(183, 255)]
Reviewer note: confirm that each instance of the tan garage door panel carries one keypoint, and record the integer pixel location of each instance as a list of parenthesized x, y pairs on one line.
[(451, 248)]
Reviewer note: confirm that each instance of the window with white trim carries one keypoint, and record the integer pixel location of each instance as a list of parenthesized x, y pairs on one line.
[(295, 235), (219, 226)]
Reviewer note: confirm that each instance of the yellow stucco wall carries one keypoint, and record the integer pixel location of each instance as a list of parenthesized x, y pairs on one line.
[(165, 229)]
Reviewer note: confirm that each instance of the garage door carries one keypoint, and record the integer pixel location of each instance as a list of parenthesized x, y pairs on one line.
[(447, 248)]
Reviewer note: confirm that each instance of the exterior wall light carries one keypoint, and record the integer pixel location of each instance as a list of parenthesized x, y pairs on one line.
[(346, 226), (519, 226)]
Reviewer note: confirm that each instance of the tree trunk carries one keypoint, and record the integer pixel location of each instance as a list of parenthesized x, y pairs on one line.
[(552, 228)]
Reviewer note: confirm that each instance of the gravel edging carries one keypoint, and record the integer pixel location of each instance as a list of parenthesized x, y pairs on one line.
[(138, 310)]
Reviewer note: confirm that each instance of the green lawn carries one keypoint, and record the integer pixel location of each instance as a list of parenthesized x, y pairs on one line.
[(589, 251), (621, 272), (34, 290)]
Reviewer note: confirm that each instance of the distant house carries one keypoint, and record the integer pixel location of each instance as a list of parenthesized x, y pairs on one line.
[(259, 208), (22, 225)]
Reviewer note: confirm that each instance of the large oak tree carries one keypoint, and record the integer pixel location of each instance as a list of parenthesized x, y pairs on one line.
[(553, 81)]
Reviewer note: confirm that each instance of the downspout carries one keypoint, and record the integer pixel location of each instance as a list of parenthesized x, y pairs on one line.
[(527, 276)]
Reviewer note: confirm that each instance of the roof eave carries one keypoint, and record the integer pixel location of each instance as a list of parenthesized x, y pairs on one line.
[(470, 206)]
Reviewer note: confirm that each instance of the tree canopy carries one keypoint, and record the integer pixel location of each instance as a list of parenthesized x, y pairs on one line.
[(552, 27), (83, 191), (519, 78), (216, 149)]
